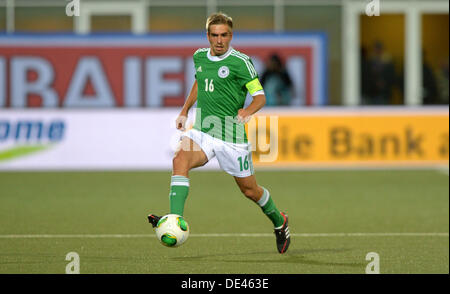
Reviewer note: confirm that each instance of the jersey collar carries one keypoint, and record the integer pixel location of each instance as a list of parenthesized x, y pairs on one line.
[(219, 58)]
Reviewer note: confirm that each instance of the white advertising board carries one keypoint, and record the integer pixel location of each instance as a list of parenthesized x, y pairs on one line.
[(146, 139), (88, 139)]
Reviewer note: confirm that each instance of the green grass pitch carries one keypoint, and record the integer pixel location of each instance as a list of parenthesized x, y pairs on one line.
[(401, 215)]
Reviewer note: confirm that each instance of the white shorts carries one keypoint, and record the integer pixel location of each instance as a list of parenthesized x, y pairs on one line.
[(235, 159)]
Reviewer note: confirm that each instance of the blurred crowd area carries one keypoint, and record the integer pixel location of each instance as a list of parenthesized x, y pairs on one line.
[(382, 59), (382, 40), (382, 83)]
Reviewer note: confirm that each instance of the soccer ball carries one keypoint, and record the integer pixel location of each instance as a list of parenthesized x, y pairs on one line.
[(172, 230)]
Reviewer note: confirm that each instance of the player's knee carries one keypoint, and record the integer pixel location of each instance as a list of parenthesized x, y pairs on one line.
[(180, 161)]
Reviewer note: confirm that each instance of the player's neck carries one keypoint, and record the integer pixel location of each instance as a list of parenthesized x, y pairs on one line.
[(218, 57)]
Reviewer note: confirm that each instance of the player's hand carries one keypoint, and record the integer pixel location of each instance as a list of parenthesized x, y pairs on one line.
[(243, 116), (181, 122)]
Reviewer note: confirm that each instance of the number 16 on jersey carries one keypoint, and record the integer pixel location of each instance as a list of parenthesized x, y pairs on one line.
[(209, 87)]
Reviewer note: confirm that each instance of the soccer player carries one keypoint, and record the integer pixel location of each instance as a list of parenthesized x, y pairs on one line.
[(223, 78)]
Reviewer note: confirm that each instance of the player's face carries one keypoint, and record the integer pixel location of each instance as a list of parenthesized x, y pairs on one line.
[(219, 37)]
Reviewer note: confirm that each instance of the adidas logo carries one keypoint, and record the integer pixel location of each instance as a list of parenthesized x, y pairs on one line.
[(199, 69)]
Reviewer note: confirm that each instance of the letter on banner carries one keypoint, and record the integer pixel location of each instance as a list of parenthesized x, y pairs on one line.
[(21, 87), (89, 68), (157, 86)]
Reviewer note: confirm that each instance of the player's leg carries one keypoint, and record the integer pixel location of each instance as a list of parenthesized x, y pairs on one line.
[(188, 156), (261, 196), (236, 160)]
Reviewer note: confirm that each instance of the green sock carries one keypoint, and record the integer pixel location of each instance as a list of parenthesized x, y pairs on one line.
[(268, 207), (179, 189)]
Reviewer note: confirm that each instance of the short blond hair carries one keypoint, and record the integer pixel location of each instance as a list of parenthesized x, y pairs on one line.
[(219, 18)]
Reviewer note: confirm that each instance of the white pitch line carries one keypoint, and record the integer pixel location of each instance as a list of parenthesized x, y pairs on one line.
[(81, 236)]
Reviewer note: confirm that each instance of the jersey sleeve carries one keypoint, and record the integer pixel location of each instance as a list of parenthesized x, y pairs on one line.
[(196, 59), (248, 77), (195, 66)]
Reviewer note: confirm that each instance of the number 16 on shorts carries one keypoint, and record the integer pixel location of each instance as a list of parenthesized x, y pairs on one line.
[(243, 163)]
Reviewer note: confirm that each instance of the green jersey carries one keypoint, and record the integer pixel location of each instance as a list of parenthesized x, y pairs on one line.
[(223, 82)]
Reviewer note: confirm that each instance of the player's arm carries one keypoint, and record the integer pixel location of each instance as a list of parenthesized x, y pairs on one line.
[(259, 100), (191, 99)]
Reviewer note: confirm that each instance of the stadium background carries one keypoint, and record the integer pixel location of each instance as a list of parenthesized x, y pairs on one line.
[(100, 91)]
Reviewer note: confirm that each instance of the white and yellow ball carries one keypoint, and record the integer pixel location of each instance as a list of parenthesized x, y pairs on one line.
[(172, 230)]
